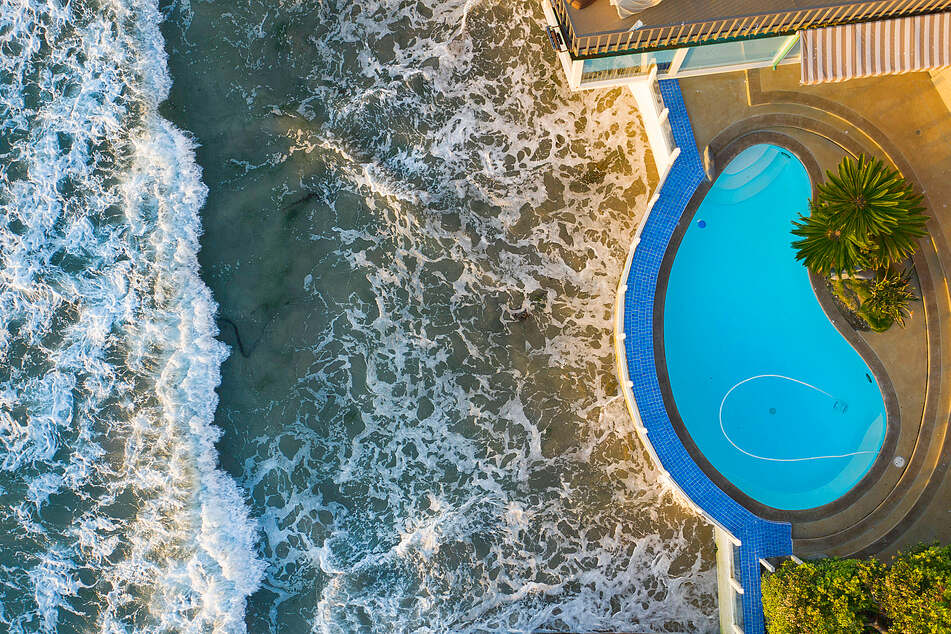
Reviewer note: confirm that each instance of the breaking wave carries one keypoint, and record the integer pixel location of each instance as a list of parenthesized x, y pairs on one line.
[(113, 513), (418, 232)]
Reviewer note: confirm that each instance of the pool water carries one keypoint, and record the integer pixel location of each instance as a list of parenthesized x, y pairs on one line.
[(775, 398)]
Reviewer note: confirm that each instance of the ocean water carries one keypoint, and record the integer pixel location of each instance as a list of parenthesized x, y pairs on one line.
[(398, 258), (113, 515)]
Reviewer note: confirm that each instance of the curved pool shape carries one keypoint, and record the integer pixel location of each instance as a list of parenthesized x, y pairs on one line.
[(775, 398)]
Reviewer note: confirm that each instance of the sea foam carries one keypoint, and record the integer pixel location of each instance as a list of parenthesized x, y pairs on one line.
[(115, 515), (440, 446)]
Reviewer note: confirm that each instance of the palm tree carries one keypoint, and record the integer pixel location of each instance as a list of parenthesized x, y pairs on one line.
[(824, 247), (868, 214)]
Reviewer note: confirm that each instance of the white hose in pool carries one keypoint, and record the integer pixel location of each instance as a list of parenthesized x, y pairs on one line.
[(753, 455)]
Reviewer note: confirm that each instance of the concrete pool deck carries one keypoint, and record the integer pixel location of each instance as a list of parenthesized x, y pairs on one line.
[(902, 119)]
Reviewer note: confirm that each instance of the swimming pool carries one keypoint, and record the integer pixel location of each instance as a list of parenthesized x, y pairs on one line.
[(773, 396)]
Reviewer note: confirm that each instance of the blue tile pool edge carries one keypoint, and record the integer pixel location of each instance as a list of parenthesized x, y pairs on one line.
[(634, 346)]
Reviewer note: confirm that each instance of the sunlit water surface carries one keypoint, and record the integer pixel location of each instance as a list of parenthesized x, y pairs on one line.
[(414, 232)]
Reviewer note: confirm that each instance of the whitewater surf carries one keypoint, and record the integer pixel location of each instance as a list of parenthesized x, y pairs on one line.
[(113, 514)]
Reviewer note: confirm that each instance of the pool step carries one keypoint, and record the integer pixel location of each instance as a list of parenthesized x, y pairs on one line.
[(744, 185), (747, 166), (748, 158)]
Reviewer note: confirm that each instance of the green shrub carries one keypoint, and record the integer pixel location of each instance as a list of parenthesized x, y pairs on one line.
[(889, 298), (915, 592), (854, 295), (912, 595), (827, 595)]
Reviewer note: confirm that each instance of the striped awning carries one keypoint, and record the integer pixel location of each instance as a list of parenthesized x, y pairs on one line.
[(885, 47)]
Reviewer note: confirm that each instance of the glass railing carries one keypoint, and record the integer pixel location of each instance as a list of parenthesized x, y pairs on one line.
[(620, 66)]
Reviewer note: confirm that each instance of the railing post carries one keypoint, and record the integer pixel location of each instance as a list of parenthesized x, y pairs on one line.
[(717, 29)]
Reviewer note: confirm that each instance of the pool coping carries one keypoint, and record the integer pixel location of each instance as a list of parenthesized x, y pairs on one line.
[(721, 159), (755, 538)]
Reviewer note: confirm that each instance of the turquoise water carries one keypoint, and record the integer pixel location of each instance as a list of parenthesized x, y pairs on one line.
[(305, 326), (768, 389)]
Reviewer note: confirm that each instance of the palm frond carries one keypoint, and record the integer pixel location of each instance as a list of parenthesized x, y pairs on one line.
[(864, 215), (823, 248)]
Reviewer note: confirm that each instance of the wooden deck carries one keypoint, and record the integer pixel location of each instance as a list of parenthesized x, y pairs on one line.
[(597, 29)]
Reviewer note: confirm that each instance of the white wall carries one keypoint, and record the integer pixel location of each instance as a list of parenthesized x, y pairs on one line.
[(654, 117)]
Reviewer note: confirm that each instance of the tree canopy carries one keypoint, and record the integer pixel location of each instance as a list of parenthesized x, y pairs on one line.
[(828, 595), (911, 595), (915, 592), (864, 216)]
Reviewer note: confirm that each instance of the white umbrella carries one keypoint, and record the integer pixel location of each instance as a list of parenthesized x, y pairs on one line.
[(630, 7)]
